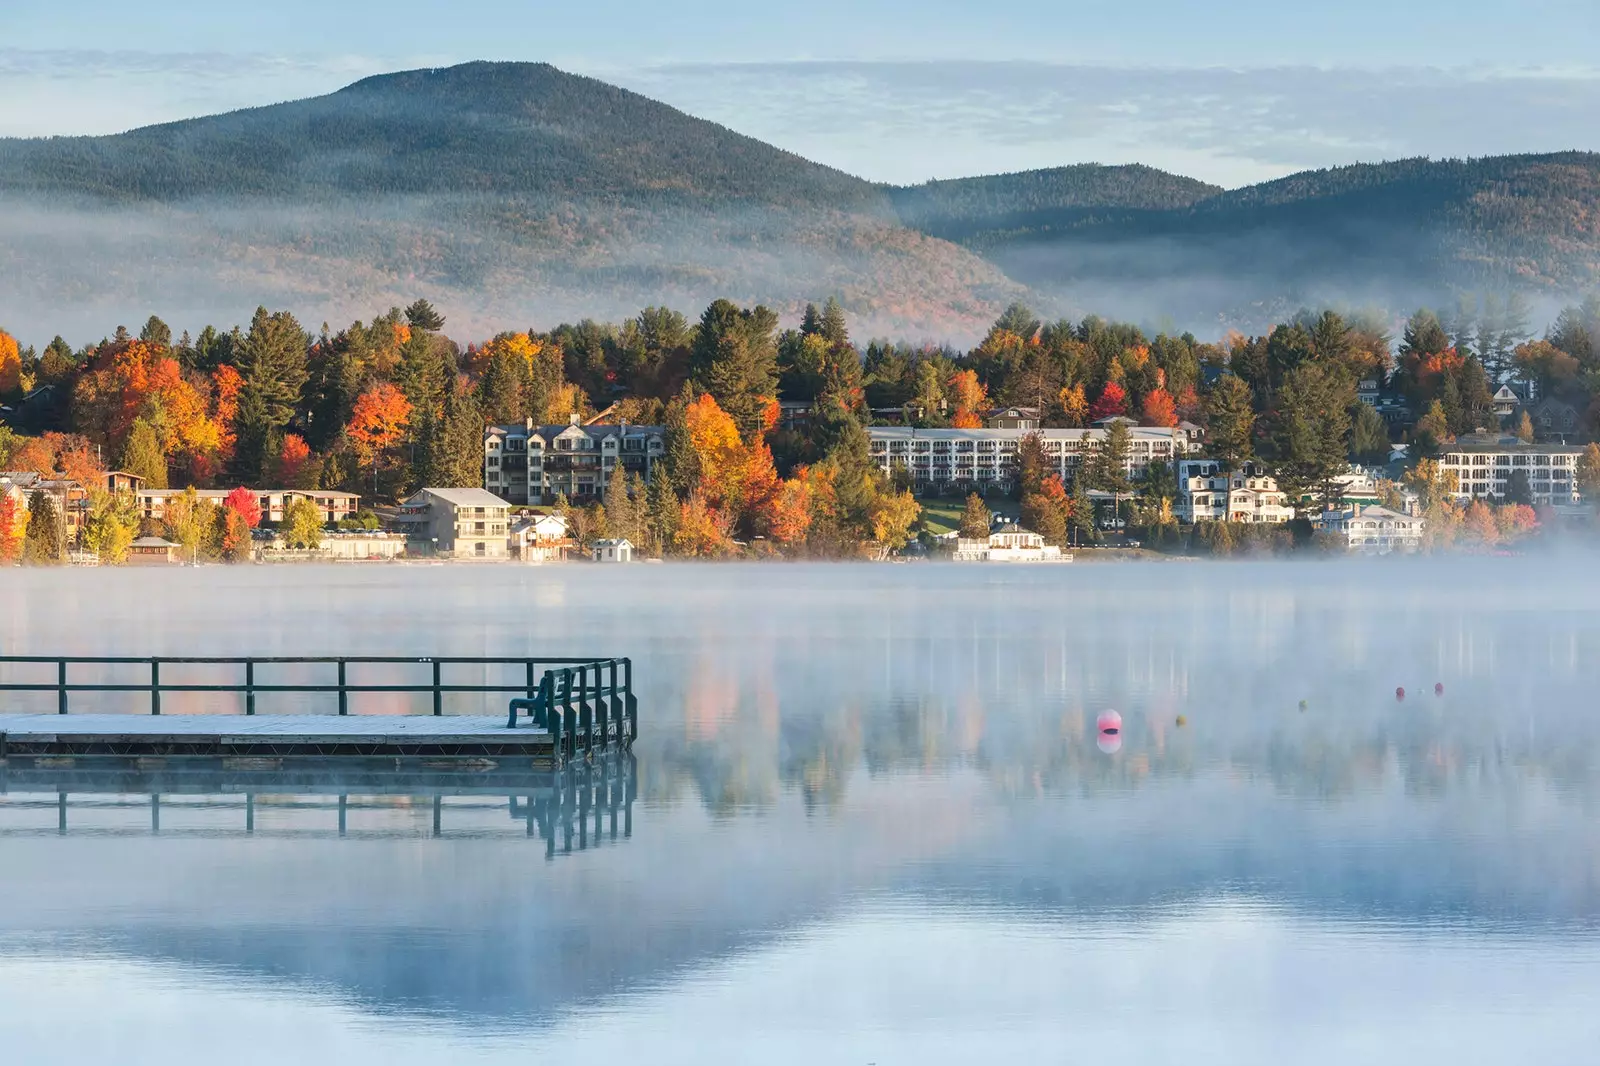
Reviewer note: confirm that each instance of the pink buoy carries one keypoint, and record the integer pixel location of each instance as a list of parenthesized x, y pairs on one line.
[(1110, 743), (1438, 688), (1109, 723), (1400, 694)]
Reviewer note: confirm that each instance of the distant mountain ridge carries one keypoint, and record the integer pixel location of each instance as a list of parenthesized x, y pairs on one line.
[(516, 194)]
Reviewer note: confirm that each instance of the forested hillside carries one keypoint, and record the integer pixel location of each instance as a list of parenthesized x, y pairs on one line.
[(985, 210), (1390, 234), (512, 190)]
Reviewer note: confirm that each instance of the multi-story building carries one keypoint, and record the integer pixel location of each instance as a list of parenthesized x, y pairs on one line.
[(986, 459), (1375, 530), (455, 523), (1209, 493), (335, 506), (1483, 467), (529, 464)]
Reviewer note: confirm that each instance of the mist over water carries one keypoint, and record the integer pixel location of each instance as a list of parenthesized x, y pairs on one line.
[(873, 824)]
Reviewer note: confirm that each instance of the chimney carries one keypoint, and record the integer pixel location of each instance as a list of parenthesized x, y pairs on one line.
[(573, 419)]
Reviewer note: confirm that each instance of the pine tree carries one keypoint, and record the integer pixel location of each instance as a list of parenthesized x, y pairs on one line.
[(1081, 527), (1108, 465), (681, 470), (422, 316), (1311, 431), (500, 390), (735, 359), (455, 448), (142, 455), (272, 360), (156, 333), (1231, 422), (833, 327), (661, 515), (45, 542), (622, 514)]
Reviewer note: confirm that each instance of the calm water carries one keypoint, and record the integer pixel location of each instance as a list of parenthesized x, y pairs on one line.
[(873, 826)]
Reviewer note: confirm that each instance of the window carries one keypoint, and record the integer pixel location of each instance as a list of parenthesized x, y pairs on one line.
[(480, 548)]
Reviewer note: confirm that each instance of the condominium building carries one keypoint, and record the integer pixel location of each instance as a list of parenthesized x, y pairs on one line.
[(986, 459), (455, 523), (335, 506), (1209, 493), (1483, 467), (529, 464)]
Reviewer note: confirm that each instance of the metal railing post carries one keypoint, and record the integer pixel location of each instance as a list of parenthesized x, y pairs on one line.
[(438, 693), (633, 704), (568, 715), (344, 696), (529, 679), (155, 686), (61, 686), (249, 686)]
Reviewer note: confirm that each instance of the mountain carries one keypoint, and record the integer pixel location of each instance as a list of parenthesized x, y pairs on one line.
[(984, 211), (508, 193), (513, 194), (1393, 234)]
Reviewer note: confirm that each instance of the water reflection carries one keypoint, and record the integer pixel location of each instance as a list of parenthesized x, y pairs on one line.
[(876, 818)]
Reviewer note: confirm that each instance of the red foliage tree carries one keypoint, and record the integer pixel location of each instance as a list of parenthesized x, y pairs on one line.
[(242, 502), (1113, 401)]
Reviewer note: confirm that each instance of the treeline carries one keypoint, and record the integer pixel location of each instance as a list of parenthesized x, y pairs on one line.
[(386, 406)]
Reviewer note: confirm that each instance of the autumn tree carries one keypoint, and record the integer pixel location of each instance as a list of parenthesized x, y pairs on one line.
[(302, 524), (13, 526), (110, 525), (45, 541), (1113, 401), (377, 423), (975, 518), (1525, 428), (894, 518), (10, 365), (1046, 510), (246, 504), (295, 467), (1589, 473), (969, 399), (1159, 409)]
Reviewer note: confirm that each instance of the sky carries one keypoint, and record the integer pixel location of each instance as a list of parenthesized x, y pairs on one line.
[(893, 91)]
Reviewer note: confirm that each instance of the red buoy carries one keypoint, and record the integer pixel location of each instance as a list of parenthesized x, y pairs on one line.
[(1110, 743), (1400, 694), (1109, 724), (1438, 688)]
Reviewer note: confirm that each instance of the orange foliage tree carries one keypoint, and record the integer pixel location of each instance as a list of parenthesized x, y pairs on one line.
[(131, 378), (1159, 410), (970, 399), (294, 461), (68, 454), (378, 421), (10, 364), (244, 503), (1074, 405), (13, 525)]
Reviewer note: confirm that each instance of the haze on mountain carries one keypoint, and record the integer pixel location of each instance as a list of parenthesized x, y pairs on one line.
[(514, 194)]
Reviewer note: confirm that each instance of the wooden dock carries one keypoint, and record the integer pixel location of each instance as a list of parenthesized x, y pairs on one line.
[(271, 736)]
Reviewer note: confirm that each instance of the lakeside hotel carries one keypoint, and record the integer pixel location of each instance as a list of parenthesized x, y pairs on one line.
[(987, 458)]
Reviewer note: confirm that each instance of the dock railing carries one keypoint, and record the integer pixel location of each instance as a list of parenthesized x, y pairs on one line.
[(584, 703)]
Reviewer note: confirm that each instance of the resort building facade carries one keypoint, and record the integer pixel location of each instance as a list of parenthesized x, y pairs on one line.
[(986, 459), (529, 464)]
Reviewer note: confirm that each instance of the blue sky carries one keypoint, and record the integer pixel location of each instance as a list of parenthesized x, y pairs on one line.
[(1232, 92)]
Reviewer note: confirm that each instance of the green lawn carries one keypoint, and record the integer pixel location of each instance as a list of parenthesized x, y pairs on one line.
[(944, 514)]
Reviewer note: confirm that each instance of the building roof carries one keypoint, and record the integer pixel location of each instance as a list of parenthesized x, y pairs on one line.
[(912, 433), (613, 543), (152, 542), (1510, 445), (464, 497)]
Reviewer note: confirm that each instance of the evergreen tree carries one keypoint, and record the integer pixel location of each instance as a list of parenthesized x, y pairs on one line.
[(45, 542), (500, 390), (1108, 466), (1369, 435), (1018, 319), (1518, 488), (623, 510), (833, 327), (661, 515), (1311, 432), (272, 360), (422, 316), (455, 444), (681, 469), (156, 333), (1230, 422), (142, 455), (1033, 465), (1081, 528), (735, 359)]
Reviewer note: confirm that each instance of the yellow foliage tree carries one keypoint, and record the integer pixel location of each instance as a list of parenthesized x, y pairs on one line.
[(10, 364)]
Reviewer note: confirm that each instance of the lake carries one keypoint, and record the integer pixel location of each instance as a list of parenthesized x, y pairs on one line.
[(874, 823)]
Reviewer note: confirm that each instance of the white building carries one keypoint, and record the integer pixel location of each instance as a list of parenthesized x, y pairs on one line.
[(1375, 530), (1484, 465), (540, 538), (455, 523), (1208, 493), (526, 463), (986, 459), (613, 551), (335, 506), (1009, 545)]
